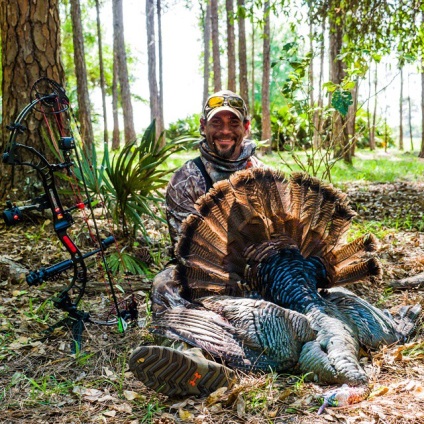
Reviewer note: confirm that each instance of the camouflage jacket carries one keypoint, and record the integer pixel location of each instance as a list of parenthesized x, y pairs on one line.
[(188, 183)]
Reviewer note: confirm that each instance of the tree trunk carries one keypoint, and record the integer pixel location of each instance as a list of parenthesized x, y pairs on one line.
[(369, 104), (410, 116), (102, 73), (401, 111), (160, 127), (374, 114), (231, 46), (351, 120), (151, 58), (207, 51), (217, 82), (116, 136), (337, 73), (84, 107), (242, 55), (30, 48), (266, 71), (252, 102), (421, 154), (318, 121), (311, 76), (119, 46)]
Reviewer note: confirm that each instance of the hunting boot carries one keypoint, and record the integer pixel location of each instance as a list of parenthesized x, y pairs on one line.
[(179, 373)]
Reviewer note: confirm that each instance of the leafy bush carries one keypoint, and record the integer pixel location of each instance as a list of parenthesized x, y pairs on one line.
[(184, 127), (383, 133)]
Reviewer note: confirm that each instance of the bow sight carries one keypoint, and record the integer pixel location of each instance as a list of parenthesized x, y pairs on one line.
[(50, 99)]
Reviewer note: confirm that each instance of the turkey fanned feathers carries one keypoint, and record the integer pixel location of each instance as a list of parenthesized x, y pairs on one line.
[(259, 206)]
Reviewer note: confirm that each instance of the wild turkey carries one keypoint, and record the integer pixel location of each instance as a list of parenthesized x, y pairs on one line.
[(261, 266)]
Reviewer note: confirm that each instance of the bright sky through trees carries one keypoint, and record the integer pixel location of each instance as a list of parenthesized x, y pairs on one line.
[(183, 84)]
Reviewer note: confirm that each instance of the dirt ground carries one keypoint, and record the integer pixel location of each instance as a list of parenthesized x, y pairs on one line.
[(42, 382)]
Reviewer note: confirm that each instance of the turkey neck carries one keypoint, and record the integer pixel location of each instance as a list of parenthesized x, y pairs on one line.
[(289, 280)]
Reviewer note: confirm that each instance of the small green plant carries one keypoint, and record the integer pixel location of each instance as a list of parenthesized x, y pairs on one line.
[(415, 351), (153, 408), (39, 313), (385, 296)]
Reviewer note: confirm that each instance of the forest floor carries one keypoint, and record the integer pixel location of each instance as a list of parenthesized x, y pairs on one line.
[(42, 382)]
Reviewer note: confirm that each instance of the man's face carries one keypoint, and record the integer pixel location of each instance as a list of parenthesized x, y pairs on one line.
[(225, 133)]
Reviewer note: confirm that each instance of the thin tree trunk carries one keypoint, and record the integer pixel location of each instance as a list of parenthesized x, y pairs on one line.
[(374, 114), (231, 46), (410, 116), (421, 155), (242, 54), (116, 138), (207, 51), (102, 73), (401, 111), (252, 103), (84, 107), (369, 104), (151, 57), (266, 71), (318, 124), (161, 124), (215, 47), (339, 131), (352, 120), (311, 77), (410, 123), (119, 44)]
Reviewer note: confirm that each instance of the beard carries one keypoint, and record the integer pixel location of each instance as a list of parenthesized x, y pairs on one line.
[(224, 153)]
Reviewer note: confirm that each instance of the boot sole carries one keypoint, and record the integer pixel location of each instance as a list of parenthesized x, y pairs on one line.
[(174, 373)]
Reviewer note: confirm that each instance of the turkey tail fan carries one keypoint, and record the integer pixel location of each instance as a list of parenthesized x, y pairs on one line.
[(356, 272), (351, 251), (339, 224), (257, 208)]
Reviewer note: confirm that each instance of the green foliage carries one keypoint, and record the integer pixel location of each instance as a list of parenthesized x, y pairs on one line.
[(341, 100), (383, 133), (135, 177), (121, 262), (188, 126)]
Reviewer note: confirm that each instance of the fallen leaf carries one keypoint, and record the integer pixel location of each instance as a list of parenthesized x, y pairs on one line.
[(380, 391), (109, 413), (122, 407), (185, 415), (129, 395), (215, 396), (241, 406)]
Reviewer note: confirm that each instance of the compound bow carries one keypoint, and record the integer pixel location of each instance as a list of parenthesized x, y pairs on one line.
[(49, 98)]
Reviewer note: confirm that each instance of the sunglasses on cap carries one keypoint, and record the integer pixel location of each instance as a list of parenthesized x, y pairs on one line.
[(231, 101)]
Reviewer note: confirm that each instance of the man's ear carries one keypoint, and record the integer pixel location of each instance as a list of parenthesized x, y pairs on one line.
[(202, 126), (246, 125)]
